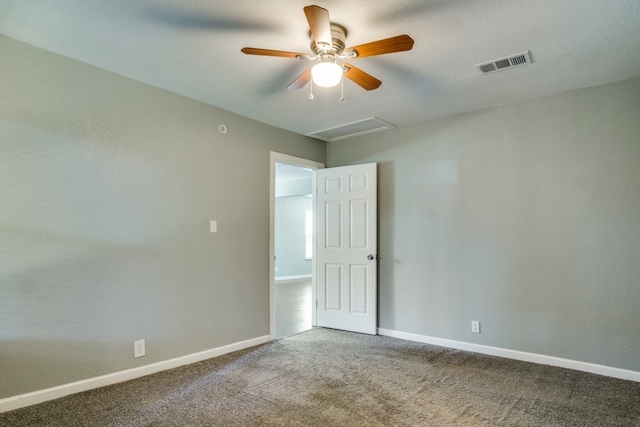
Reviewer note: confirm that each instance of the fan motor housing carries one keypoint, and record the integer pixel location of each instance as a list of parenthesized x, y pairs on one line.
[(338, 37)]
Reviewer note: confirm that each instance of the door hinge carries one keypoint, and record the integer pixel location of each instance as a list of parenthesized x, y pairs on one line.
[(316, 303)]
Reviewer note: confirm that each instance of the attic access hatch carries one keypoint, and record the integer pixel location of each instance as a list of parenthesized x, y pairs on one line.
[(353, 129), (504, 63)]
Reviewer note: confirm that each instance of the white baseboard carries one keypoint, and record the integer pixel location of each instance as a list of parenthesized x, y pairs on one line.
[(517, 355), (27, 399)]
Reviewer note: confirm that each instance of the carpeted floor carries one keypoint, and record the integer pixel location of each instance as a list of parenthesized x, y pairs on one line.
[(332, 378)]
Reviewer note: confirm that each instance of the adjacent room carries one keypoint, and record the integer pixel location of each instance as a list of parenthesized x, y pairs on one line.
[(173, 194)]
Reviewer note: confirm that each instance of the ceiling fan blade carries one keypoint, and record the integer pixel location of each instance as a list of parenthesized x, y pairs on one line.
[(301, 80), (380, 47), (320, 25), (269, 52), (359, 77)]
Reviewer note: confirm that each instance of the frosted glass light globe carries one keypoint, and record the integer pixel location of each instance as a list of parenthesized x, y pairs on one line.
[(326, 74)]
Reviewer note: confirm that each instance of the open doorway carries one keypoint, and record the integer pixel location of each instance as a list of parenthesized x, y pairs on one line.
[(292, 206)]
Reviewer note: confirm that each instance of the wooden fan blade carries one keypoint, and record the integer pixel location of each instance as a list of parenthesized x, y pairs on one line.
[(269, 52), (359, 77), (320, 25), (380, 47), (301, 80)]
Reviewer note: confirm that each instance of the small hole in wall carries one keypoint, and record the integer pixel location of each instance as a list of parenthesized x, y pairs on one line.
[(222, 128)]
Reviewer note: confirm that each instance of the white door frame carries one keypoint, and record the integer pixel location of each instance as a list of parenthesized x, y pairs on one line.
[(294, 161)]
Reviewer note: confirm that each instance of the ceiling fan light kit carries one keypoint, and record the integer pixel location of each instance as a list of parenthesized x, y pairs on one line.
[(326, 73), (328, 46)]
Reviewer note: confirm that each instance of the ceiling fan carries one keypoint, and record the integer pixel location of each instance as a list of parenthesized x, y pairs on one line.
[(328, 46)]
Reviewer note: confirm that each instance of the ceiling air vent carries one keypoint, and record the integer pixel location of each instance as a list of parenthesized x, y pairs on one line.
[(504, 63), (351, 130)]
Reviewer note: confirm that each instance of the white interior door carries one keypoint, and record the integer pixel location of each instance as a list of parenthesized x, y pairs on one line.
[(346, 248)]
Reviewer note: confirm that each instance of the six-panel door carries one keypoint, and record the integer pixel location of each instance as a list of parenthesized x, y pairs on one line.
[(346, 261)]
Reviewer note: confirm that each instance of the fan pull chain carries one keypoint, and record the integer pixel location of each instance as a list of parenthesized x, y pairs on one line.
[(311, 94), (342, 90)]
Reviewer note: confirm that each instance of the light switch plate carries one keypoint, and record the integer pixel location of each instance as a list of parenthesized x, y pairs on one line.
[(213, 226)]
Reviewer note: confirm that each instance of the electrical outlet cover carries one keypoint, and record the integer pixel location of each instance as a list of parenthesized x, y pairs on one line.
[(138, 349), (475, 326)]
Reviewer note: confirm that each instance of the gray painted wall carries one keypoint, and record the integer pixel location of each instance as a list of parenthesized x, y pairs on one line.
[(107, 187), (525, 217)]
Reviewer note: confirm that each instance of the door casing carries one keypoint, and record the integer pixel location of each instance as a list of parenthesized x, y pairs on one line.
[(294, 161)]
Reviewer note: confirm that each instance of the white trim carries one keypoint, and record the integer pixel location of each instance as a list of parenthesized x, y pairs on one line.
[(517, 355), (276, 157), (35, 397)]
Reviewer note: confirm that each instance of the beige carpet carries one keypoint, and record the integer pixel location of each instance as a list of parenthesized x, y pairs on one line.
[(332, 378)]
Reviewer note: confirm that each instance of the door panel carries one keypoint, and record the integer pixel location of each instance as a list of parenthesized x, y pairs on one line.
[(358, 283), (332, 287), (332, 224), (358, 224), (346, 248)]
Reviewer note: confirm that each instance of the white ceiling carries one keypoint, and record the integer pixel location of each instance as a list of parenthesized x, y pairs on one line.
[(193, 48)]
